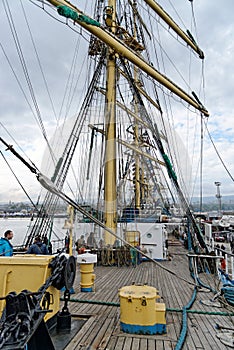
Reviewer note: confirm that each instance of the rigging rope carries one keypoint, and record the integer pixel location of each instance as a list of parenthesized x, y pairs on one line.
[(51, 187), (184, 329), (25, 70), (44, 221), (18, 180), (158, 44), (218, 154), (38, 60), (46, 183), (171, 173), (201, 163), (168, 309)]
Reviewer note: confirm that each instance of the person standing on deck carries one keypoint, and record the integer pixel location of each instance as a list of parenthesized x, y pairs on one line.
[(38, 247), (223, 250), (80, 245), (223, 264), (6, 248), (48, 245), (133, 254), (91, 241)]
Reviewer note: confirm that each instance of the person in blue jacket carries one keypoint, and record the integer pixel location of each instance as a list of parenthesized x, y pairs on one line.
[(6, 248), (38, 247)]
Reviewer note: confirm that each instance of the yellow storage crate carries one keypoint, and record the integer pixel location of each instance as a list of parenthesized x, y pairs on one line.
[(133, 237), (140, 313), (26, 272)]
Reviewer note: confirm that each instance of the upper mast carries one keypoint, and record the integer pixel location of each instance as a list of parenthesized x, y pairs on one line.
[(118, 47), (70, 11), (136, 141), (110, 193)]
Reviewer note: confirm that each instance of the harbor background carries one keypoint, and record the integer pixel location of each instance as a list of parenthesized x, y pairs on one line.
[(20, 227)]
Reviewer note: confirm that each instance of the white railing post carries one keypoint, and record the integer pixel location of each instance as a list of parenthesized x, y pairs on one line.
[(226, 258), (232, 271)]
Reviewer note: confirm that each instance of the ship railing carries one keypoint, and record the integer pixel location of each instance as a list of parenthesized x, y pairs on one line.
[(229, 259), (223, 253), (58, 245), (217, 256), (197, 260)]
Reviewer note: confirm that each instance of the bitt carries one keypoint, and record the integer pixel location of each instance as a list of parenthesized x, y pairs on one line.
[(87, 278)]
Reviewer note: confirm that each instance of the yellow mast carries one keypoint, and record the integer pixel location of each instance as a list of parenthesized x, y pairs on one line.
[(117, 47), (137, 166), (136, 140), (69, 223), (187, 38), (122, 49), (129, 111), (110, 195), (71, 219)]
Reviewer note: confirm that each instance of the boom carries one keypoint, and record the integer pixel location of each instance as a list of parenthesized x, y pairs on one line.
[(68, 10)]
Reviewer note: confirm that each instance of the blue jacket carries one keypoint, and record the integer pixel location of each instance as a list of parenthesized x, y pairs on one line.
[(38, 248), (6, 248)]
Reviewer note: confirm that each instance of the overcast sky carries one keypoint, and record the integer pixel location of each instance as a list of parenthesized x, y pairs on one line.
[(55, 46)]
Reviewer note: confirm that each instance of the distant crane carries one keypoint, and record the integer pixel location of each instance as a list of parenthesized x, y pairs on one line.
[(218, 196)]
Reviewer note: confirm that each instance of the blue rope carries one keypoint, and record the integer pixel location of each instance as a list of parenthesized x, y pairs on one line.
[(202, 284), (185, 308), (184, 328)]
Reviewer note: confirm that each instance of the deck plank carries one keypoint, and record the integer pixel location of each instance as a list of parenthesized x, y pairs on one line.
[(102, 329), (152, 346)]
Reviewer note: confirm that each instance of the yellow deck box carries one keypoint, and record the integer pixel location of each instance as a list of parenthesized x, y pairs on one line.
[(26, 272), (140, 313)]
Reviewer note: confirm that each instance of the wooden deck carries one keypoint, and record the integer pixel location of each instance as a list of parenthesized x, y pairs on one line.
[(102, 328)]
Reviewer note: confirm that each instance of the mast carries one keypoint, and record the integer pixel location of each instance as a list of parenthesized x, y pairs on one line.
[(120, 48), (136, 178), (136, 136), (110, 192)]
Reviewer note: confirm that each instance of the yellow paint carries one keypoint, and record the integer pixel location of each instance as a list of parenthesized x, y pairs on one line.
[(71, 218), (87, 276), (138, 306), (160, 309), (132, 237), (28, 272), (159, 10), (137, 60)]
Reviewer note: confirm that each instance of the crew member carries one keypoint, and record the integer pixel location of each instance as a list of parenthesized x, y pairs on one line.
[(6, 248)]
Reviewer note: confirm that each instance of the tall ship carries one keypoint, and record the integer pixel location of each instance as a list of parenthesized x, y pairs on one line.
[(115, 159)]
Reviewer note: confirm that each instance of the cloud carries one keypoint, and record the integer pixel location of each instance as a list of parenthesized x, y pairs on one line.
[(56, 44)]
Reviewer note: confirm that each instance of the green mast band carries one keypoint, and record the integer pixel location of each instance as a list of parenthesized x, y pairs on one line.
[(69, 13)]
